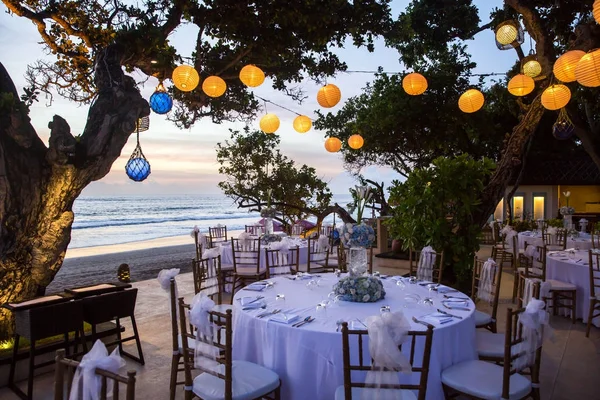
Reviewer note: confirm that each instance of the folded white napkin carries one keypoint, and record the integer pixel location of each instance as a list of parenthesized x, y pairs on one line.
[(308, 276), (250, 301), (456, 303), (285, 318), (436, 318), (445, 289), (257, 287)]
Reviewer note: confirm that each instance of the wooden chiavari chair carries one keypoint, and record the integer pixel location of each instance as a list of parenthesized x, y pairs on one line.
[(555, 242), (490, 346), (318, 258), (595, 237), (501, 381), (254, 230), (217, 382), (208, 279), (246, 262), (217, 234), (282, 262), (485, 320), (297, 230), (66, 366), (326, 230), (594, 259), (438, 267), (176, 361), (359, 390)]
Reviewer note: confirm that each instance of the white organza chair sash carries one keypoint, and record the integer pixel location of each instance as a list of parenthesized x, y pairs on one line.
[(86, 384), (205, 352), (536, 329), (212, 282), (283, 251), (486, 281), (426, 264), (164, 278), (321, 247)]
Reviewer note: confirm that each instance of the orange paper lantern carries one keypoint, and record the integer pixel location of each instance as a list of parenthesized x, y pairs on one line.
[(356, 141), (214, 86), (507, 33), (564, 67), (596, 11), (302, 124), (185, 78), (556, 97), (269, 123), (333, 144), (521, 85), (329, 95), (414, 84), (587, 70), (252, 76), (470, 101)]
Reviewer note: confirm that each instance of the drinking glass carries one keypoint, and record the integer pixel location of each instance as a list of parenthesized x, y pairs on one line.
[(376, 274), (400, 283), (311, 284), (338, 272), (321, 311), (280, 299), (385, 309)]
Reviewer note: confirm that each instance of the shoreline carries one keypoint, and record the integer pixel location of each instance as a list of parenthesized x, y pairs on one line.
[(93, 265)]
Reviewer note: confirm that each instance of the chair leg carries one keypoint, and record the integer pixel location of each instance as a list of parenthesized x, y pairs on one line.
[(590, 316), (515, 284), (574, 305), (31, 368), (13, 361), (137, 340), (174, 369), (555, 303), (119, 336), (278, 391)]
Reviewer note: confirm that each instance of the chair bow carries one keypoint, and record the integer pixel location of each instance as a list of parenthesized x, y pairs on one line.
[(195, 231), (282, 257), (536, 329), (164, 278), (86, 384), (206, 353), (244, 238), (486, 283), (322, 244), (426, 263), (386, 333)]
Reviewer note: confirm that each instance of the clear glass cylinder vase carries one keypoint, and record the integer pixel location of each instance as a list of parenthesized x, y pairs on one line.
[(269, 226), (357, 261), (568, 221)]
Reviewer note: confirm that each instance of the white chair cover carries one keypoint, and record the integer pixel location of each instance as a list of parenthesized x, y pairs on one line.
[(535, 330), (426, 263), (164, 278), (552, 231), (86, 384), (528, 289), (205, 354), (212, 281), (321, 247), (508, 239), (486, 280), (386, 333), (282, 257)]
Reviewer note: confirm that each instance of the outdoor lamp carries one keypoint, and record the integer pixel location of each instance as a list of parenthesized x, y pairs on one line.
[(587, 70), (185, 78), (160, 101), (556, 97), (269, 123), (329, 95), (414, 84), (302, 124), (509, 34), (356, 141), (596, 11), (214, 86), (564, 67), (124, 274), (531, 66), (333, 144), (252, 76), (137, 169), (521, 85), (470, 101)]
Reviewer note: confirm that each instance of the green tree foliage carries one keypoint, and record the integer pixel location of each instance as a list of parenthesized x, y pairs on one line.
[(258, 174), (437, 206)]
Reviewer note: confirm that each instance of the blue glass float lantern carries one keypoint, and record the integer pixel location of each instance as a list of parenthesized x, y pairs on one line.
[(563, 128), (137, 168), (160, 101)]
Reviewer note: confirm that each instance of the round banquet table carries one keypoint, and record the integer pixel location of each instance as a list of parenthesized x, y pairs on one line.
[(309, 360), (227, 253), (582, 242), (573, 267)]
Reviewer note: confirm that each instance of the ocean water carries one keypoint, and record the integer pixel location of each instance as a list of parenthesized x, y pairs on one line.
[(123, 219)]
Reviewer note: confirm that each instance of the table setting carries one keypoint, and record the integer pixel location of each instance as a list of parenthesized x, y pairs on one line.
[(579, 240), (291, 324), (227, 253)]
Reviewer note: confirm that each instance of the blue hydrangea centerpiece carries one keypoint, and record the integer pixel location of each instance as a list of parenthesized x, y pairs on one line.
[(361, 289)]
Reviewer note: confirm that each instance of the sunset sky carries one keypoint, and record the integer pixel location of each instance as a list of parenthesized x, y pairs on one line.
[(184, 161)]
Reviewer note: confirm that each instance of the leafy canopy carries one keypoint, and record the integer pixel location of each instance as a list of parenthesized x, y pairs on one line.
[(436, 207), (289, 40), (257, 173)]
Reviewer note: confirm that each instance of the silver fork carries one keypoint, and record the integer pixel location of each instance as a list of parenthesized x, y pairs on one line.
[(418, 321), (268, 313), (305, 322), (448, 314)]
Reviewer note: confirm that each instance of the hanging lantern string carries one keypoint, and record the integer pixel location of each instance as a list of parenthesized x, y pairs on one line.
[(277, 105), (405, 72)]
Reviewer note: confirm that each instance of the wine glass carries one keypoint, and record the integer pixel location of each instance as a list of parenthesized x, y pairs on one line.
[(385, 309), (400, 283), (311, 284), (321, 311)]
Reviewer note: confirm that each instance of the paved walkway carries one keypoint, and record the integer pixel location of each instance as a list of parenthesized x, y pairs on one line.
[(570, 363)]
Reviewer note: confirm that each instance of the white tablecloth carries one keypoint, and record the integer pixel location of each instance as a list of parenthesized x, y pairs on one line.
[(583, 242), (573, 268), (227, 254), (309, 359)]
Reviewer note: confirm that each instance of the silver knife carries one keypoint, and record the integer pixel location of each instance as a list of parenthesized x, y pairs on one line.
[(422, 323), (305, 322), (448, 314)]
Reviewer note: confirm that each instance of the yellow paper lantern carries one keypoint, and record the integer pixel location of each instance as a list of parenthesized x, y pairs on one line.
[(507, 33), (414, 84), (470, 101), (214, 86), (302, 124), (556, 97), (333, 144), (329, 95), (596, 11), (356, 141), (185, 78), (531, 66), (587, 70), (252, 76), (521, 85), (269, 123), (564, 67)]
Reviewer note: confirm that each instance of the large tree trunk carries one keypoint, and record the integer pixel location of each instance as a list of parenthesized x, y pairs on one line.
[(39, 184)]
